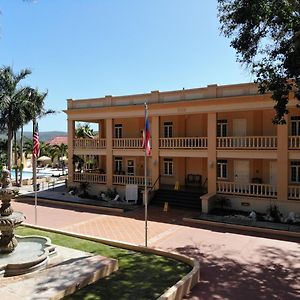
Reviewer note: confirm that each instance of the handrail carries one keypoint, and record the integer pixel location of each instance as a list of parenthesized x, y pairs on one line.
[(151, 188)]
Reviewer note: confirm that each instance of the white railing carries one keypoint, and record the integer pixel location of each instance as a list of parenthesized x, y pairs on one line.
[(251, 142), (294, 192), (249, 189), (127, 143), (127, 179), (89, 177), (89, 143), (183, 143), (294, 142)]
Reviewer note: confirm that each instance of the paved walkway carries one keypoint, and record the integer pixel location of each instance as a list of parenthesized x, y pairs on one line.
[(233, 265)]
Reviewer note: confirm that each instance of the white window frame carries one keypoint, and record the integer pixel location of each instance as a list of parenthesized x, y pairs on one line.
[(118, 131), (222, 169), (168, 129), (295, 171), (295, 125), (118, 164), (130, 166), (222, 128), (168, 167)]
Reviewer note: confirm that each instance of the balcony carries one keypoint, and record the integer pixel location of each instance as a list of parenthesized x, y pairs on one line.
[(183, 143), (247, 142), (90, 177), (127, 143), (294, 142), (248, 189), (128, 179), (89, 143), (294, 192)]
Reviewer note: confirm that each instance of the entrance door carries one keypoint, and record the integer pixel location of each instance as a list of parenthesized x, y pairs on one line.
[(239, 127), (241, 174), (130, 167), (239, 130)]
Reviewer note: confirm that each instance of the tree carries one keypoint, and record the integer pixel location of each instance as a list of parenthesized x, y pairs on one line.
[(266, 37), (11, 95), (84, 131)]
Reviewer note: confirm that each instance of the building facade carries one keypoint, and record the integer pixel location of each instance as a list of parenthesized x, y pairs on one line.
[(220, 138)]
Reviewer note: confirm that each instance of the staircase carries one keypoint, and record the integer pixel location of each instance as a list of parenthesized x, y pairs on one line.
[(178, 199)]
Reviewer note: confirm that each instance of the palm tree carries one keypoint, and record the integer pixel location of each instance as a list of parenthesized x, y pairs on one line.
[(84, 131), (11, 97)]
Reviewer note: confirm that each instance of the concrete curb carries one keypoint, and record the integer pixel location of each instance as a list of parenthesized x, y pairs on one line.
[(244, 227), (177, 291), (103, 208)]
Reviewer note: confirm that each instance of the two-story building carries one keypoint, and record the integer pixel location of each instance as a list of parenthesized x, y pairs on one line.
[(220, 138)]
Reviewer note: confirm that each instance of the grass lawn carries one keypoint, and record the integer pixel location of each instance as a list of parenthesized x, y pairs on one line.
[(140, 276)]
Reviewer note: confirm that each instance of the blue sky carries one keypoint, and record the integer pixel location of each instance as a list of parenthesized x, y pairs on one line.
[(92, 48)]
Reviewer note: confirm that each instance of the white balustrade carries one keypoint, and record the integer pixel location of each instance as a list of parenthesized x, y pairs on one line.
[(183, 143), (89, 177), (294, 142), (250, 142), (249, 189), (127, 143), (89, 143), (294, 192), (128, 179)]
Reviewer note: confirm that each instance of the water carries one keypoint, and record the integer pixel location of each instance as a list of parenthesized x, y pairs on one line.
[(29, 174)]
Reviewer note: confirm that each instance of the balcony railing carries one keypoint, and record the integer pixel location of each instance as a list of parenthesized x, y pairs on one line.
[(250, 142), (248, 189), (294, 142), (127, 179), (294, 192), (183, 143), (90, 177), (89, 143), (127, 143)]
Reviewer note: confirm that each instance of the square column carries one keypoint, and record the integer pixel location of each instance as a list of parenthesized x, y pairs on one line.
[(71, 136), (282, 162), (109, 152), (155, 150), (212, 153)]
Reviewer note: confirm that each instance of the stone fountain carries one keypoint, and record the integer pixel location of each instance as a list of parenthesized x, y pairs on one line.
[(18, 255)]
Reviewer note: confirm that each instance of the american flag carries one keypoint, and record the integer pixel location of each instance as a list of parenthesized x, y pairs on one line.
[(146, 134), (36, 141)]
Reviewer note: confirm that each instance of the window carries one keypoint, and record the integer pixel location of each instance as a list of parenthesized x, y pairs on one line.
[(118, 164), (168, 166), (222, 167), (295, 171), (222, 128), (118, 131), (295, 125), (130, 167), (168, 129)]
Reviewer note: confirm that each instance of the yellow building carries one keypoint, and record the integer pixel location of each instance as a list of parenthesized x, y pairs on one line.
[(218, 138)]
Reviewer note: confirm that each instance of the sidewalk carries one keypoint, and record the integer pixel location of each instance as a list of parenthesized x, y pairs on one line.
[(234, 264)]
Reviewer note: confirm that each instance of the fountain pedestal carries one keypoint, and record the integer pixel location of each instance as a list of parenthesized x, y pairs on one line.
[(9, 220), (32, 253)]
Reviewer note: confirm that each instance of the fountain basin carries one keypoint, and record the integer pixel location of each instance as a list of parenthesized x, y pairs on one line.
[(32, 254)]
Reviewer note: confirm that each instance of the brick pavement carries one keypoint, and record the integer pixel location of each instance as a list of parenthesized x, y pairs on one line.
[(233, 265)]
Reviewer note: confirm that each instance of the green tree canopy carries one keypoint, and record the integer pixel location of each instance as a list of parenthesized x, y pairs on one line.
[(266, 37), (84, 131)]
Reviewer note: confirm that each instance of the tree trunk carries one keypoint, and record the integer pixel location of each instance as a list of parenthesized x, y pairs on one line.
[(16, 158), (21, 151), (9, 148)]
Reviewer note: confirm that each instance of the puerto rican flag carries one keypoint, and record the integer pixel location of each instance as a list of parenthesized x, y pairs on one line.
[(146, 134)]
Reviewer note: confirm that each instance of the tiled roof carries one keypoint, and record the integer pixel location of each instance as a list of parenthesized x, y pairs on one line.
[(59, 140)]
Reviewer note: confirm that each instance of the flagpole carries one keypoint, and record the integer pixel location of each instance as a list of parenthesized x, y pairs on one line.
[(145, 181), (34, 165)]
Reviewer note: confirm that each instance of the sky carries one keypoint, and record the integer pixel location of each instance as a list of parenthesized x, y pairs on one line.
[(91, 48)]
